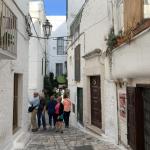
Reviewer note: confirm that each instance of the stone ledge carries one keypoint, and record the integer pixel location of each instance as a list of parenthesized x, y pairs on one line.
[(21, 140), (94, 129)]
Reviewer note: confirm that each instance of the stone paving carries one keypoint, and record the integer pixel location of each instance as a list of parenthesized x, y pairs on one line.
[(71, 139)]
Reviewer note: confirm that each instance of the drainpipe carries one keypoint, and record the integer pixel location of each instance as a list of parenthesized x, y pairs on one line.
[(119, 135), (18, 8), (118, 125)]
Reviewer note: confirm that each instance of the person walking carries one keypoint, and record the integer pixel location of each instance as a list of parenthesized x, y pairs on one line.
[(51, 111), (35, 104), (67, 109), (41, 112), (59, 115)]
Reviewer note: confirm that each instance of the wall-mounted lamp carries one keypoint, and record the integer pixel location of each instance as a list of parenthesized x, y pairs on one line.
[(47, 28)]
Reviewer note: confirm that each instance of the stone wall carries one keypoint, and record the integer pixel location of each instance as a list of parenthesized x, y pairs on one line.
[(7, 70)]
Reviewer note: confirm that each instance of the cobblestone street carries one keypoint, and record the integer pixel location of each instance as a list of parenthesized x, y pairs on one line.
[(71, 139)]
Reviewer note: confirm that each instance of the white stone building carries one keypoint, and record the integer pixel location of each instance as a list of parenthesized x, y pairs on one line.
[(110, 90), (14, 44), (57, 58), (73, 8), (37, 47), (94, 101), (129, 72)]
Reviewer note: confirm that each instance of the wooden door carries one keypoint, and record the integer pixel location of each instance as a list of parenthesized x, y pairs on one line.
[(135, 118), (15, 103), (80, 105), (131, 120), (96, 118), (146, 99)]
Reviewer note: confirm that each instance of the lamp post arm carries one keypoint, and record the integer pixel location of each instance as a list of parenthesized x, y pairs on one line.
[(39, 37)]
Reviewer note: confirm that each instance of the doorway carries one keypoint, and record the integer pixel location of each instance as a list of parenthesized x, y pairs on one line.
[(80, 105), (15, 103), (95, 90), (146, 98), (138, 122)]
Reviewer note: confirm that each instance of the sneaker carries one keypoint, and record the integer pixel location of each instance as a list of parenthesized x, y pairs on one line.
[(34, 130), (61, 131), (44, 128)]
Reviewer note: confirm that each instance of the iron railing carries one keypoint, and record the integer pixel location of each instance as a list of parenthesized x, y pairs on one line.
[(8, 29)]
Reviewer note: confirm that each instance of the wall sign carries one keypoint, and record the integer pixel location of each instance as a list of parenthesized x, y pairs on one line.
[(122, 104)]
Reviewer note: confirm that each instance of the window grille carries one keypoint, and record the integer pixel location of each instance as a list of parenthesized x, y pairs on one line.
[(8, 32), (60, 46), (59, 69)]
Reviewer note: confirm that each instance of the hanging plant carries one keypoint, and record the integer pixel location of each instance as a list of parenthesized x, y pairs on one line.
[(112, 40)]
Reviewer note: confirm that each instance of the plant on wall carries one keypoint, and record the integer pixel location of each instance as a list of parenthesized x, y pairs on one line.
[(111, 40)]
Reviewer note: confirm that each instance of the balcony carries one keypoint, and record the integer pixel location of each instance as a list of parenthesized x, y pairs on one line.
[(8, 33)]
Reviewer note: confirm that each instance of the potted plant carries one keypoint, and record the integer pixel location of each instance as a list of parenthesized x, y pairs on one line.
[(120, 38)]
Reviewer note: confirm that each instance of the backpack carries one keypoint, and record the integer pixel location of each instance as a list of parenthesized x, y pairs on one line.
[(51, 107)]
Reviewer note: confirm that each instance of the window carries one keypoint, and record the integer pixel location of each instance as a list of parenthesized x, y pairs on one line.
[(59, 69), (60, 46), (146, 8), (77, 63), (135, 11), (42, 66), (8, 32), (65, 63)]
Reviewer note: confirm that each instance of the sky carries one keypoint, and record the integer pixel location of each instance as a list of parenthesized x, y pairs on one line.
[(55, 7)]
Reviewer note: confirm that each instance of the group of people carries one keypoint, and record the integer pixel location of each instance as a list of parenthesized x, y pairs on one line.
[(58, 112)]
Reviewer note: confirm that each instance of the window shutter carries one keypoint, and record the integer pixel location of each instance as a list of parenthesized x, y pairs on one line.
[(133, 13), (77, 63)]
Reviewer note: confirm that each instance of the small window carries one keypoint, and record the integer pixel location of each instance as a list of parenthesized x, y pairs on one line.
[(60, 46), (59, 69), (146, 8)]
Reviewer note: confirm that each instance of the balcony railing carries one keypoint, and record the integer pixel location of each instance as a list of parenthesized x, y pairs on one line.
[(8, 32)]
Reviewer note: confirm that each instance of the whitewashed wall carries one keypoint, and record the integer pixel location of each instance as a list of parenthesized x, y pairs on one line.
[(73, 8), (7, 70), (94, 28), (132, 60), (95, 31), (36, 48)]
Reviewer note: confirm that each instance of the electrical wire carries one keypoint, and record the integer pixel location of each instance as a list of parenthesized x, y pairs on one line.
[(43, 50), (92, 25)]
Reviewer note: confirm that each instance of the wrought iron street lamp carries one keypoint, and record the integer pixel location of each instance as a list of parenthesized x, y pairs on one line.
[(47, 28)]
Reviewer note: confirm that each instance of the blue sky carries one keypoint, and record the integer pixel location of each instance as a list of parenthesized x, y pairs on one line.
[(55, 7)]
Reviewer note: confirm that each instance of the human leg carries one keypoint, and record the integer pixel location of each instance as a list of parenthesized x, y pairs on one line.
[(33, 119), (39, 113), (65, 118), (61, 126), (43, 120), (54, 119), (50, 119)]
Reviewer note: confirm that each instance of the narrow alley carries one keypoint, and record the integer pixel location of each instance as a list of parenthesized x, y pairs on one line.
[(82, 64), (71, 139)]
